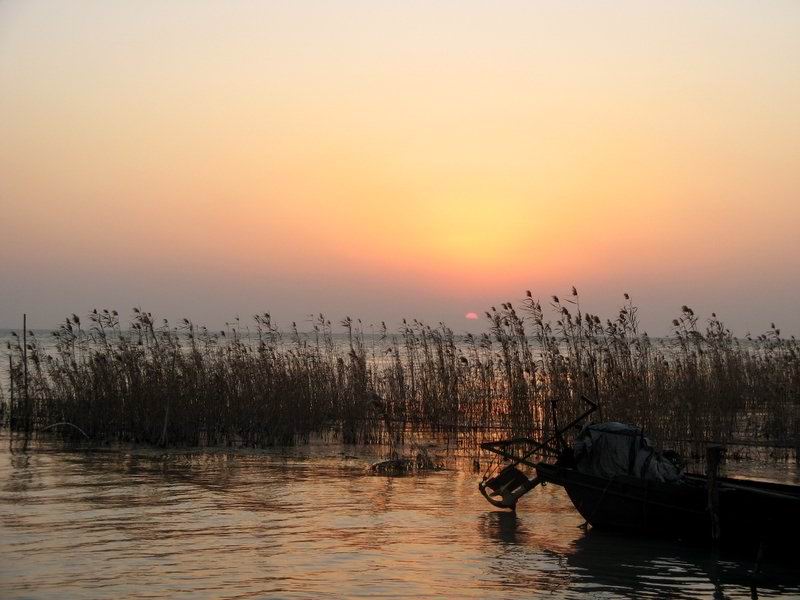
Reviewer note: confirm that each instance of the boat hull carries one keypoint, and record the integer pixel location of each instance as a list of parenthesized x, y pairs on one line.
[(750, 513)]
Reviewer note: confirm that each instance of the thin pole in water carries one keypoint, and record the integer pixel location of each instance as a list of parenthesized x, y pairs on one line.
[(11, 401), (27, 414), (25, 357), (11, 413)]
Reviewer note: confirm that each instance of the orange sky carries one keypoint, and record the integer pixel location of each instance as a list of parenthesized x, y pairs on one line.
[(387, 159)]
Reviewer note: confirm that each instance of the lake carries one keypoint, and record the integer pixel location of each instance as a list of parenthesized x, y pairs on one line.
[(311, 522)]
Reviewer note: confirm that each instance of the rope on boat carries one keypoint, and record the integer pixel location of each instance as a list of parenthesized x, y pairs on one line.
[(494, 465), (602, 497)]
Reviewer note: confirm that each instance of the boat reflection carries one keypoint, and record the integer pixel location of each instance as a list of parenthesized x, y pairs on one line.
[(602, 564), (633, 567)]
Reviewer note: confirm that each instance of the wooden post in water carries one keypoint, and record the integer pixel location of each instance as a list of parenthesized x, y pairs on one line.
[(797, 441), (714, 456)]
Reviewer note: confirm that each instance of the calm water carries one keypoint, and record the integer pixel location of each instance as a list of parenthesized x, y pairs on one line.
[(311, 523)]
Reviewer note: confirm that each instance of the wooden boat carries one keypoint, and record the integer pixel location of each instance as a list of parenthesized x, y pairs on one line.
[(751, 513), (730, 512)]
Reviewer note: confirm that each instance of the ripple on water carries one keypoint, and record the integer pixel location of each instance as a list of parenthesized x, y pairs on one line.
[(240, 525)]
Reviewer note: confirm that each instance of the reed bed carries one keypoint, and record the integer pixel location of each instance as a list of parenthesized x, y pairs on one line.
[(253, 385)]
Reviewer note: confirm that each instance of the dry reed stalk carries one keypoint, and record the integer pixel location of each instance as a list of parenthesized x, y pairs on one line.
[(185, 385)]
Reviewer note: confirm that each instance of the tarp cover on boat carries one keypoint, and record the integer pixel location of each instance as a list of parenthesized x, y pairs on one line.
[(609, 449)]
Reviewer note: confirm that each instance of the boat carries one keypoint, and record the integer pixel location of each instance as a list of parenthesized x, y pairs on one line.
[(617, 481)]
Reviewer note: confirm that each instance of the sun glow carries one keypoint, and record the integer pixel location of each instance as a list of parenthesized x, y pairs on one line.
[(405, 147)]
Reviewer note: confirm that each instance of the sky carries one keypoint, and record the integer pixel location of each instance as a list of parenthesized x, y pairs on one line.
[(415, 159)]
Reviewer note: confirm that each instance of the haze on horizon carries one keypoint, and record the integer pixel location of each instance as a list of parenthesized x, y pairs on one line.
[(386, 160)]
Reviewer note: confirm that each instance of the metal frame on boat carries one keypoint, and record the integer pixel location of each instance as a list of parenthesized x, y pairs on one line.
[(730, 512)]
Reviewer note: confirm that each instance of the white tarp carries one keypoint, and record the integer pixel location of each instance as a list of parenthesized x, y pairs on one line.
[(610, 449)]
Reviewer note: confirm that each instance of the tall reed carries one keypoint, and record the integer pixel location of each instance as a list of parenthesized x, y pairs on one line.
[(157, 383)]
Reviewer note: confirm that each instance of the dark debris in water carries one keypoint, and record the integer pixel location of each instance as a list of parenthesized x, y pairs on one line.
[(419, 463)]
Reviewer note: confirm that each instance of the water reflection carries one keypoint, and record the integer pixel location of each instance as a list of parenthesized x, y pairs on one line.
[(306, 525), (503, 527)]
